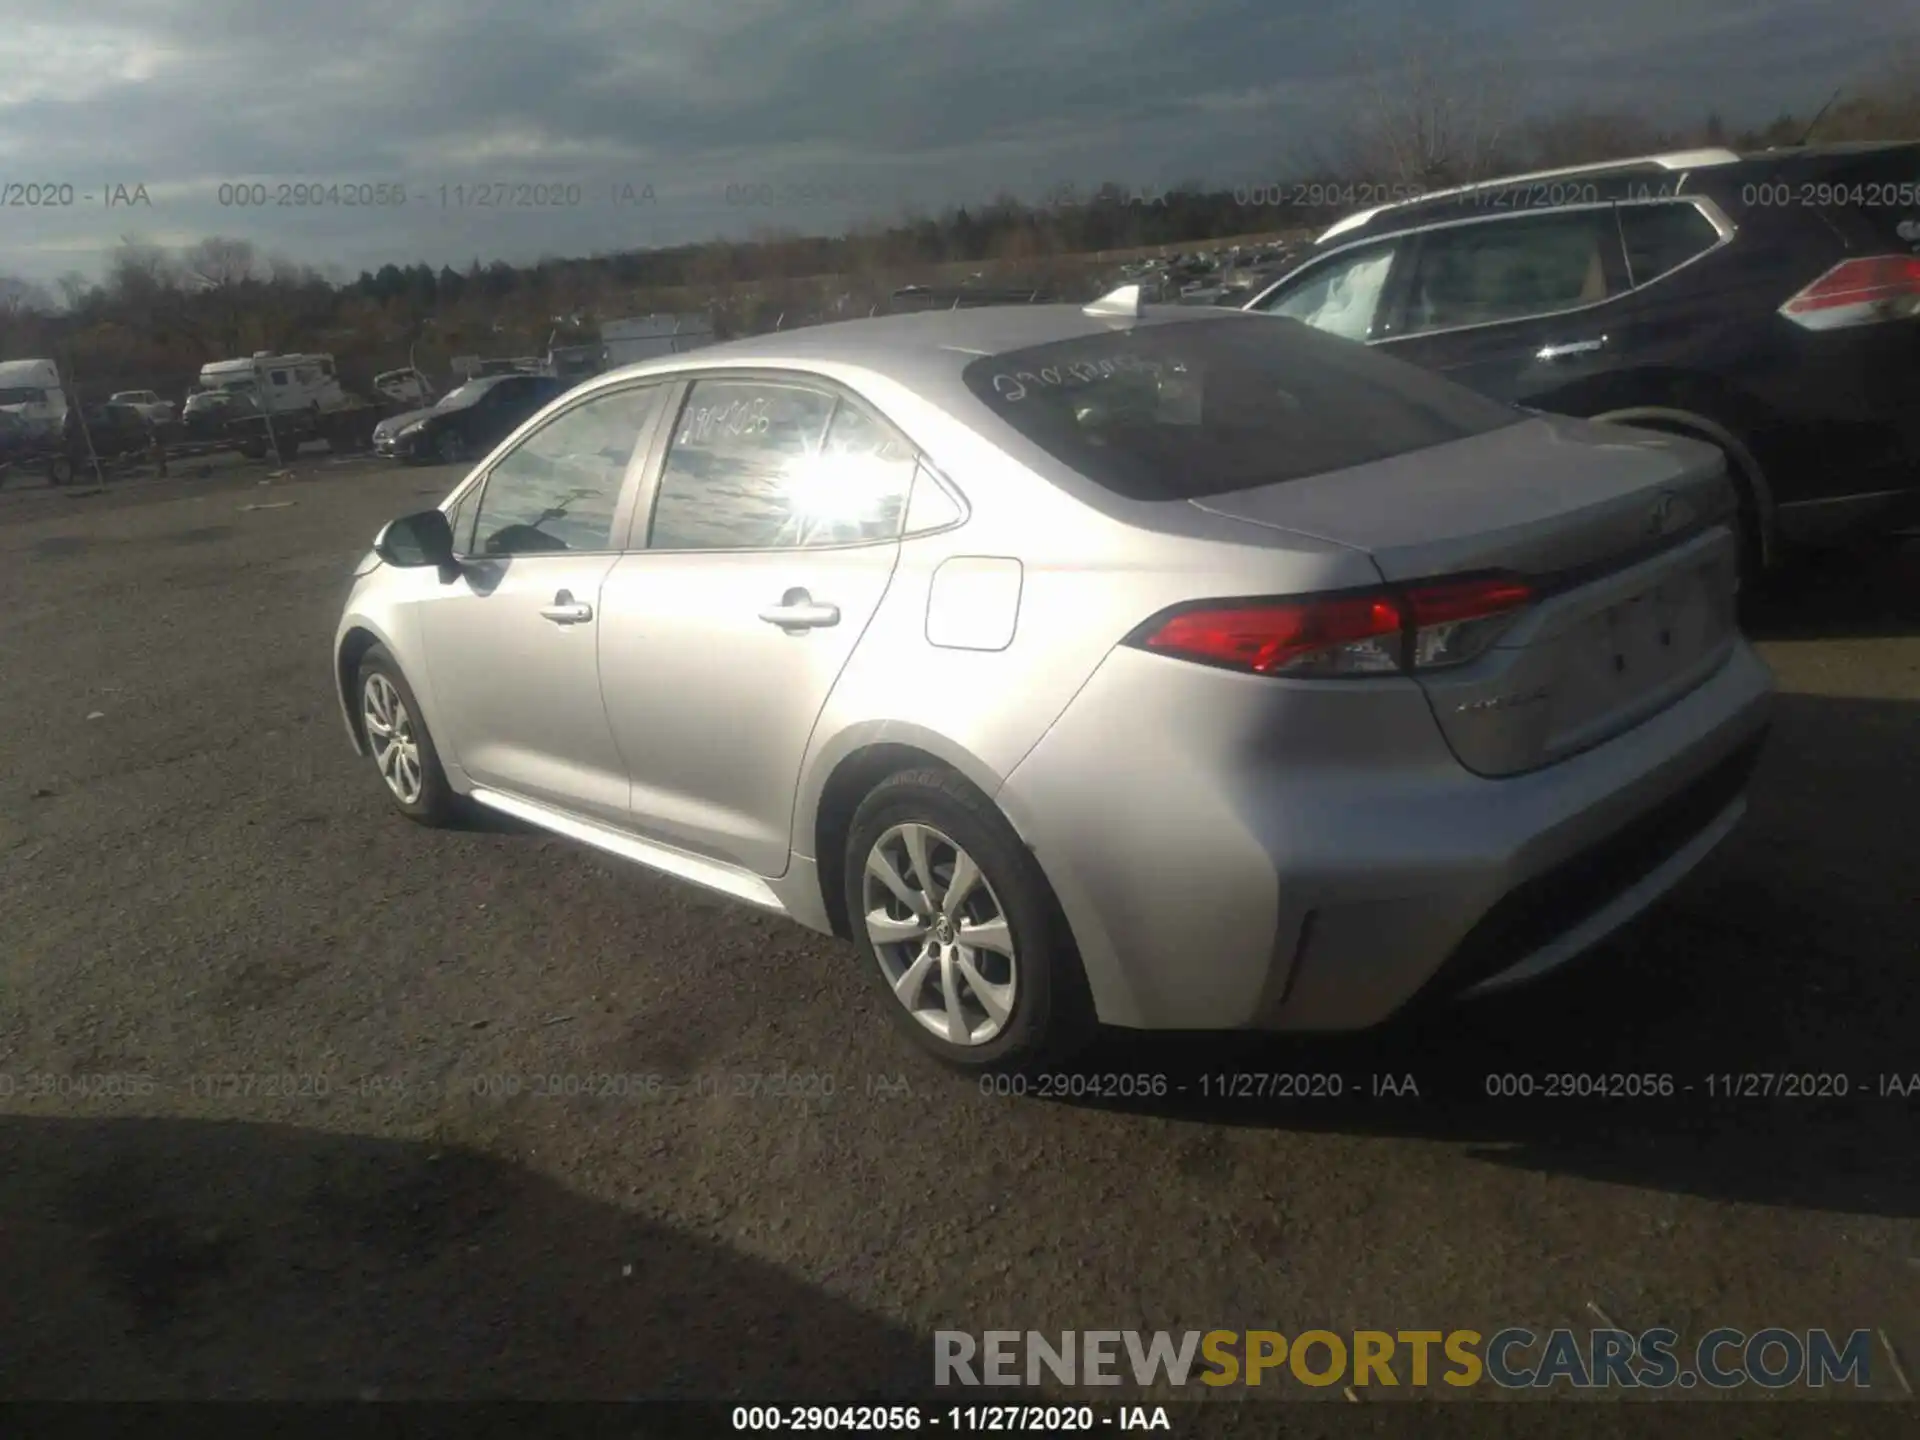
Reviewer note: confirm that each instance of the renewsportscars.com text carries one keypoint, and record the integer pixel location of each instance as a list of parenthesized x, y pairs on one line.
[(1513, 1358)]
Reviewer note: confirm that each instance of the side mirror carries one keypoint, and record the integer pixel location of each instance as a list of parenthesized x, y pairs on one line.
[(414, 542)]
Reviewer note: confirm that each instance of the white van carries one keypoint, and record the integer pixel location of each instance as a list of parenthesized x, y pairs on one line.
[(279, 383), (30, 391)]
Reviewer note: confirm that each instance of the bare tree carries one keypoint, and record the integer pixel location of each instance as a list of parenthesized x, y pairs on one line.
[(138, 272), (219, 262), (74, 288), (24, 297), (1429, 115)]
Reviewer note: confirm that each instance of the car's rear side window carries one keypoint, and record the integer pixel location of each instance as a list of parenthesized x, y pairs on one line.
[(1663, 236), (1209, 407)]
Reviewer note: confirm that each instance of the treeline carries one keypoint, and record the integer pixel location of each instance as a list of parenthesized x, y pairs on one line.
[(157, 315)]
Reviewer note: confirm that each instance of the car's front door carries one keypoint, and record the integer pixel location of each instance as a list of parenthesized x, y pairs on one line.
[(774, 533), (1515, 306), (512, 641)]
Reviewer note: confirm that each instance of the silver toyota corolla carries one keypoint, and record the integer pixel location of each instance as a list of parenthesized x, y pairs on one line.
[(1167, 668)]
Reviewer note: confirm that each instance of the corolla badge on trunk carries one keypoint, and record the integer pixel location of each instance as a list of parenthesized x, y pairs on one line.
[(1503, 702)]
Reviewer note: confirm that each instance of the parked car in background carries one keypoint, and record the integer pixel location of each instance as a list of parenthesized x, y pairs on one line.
[(205, 414), (115, 429), (386, 434), (471, 420), (1767, 303), (148, 403), (1169, 666)]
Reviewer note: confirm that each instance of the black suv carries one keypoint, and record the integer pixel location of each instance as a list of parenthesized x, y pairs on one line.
[(1767, 302)]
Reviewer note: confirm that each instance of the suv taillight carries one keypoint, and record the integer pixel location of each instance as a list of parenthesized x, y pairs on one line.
[(1428, 625), (1865, 291)]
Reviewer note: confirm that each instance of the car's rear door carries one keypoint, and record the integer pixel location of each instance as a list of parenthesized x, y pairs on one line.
[(512, 640), (766, 545)]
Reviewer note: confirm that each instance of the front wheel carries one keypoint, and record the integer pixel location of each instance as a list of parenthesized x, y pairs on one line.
[(451, 447), (397, 739), (959, 927)]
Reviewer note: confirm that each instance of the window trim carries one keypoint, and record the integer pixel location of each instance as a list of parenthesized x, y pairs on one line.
[(482, 476), (640, 540), (1717, 217)]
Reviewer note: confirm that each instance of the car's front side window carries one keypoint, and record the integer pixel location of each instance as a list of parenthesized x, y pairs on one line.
[(558, 490), (1341, 296)]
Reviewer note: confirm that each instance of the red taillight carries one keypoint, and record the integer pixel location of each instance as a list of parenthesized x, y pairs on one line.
[(1859, 292), (1422, 626), (1441, 602), (1454, 621), (1276, 637)]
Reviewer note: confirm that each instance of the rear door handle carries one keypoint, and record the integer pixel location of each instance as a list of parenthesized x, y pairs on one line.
[(797, 611), (1573, 347), (565, 610)]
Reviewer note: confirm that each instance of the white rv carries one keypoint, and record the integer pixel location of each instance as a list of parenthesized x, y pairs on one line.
[(279, 383), (31, 392)]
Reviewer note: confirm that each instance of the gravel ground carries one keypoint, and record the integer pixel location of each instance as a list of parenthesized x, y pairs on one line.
[(326, 1185)]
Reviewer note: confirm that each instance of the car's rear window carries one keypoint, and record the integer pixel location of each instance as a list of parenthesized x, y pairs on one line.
[(1209, 407)]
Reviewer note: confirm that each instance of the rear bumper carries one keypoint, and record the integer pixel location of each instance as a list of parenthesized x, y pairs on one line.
[(1211, 886)]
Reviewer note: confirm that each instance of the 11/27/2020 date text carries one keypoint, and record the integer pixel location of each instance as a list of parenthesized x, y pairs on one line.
[(385, 194)]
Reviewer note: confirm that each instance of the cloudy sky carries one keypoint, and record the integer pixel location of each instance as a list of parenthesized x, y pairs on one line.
[(749, 114)]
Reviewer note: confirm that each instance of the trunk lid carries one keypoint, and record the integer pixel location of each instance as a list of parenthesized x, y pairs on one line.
[(1542, 498), (1624, 533)]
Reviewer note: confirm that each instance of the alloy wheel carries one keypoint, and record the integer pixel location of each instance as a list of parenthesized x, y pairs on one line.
[(390, 732), (940, 935)]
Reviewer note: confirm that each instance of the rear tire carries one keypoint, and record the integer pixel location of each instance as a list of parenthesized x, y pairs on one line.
[(60, 470), (1013, 999), (403, 752)]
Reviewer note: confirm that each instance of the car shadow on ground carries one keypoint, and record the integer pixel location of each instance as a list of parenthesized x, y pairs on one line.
[(1793, 952), (188, 1259)]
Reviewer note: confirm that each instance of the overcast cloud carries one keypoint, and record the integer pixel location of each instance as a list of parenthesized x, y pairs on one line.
[(870, 105)]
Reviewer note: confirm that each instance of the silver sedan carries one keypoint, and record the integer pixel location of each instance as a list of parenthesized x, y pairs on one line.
[(1161, 668)]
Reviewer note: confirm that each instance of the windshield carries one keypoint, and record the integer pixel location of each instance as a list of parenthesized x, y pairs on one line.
[(1183, 411)]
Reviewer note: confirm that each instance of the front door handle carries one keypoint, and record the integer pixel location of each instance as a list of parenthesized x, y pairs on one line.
[(798, 611), (565, 610)]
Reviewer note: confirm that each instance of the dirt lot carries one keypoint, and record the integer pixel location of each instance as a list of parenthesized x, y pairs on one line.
[(201, 886)]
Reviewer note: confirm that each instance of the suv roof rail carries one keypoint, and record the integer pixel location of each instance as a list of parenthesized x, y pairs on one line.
[(1671, 160)]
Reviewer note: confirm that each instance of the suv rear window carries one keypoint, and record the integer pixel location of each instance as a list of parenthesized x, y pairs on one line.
[(1210, 407)]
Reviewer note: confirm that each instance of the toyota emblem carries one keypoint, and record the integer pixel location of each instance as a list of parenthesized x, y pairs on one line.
[(1661, 517)]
